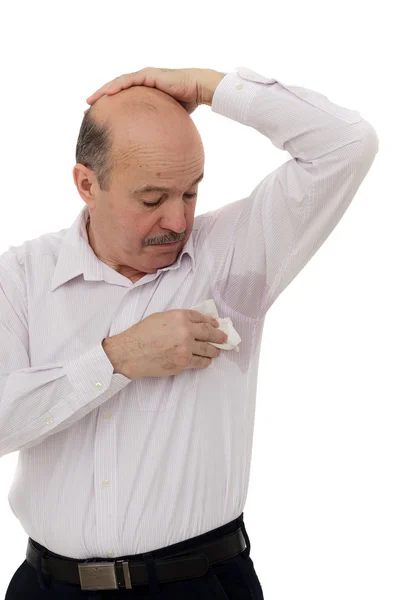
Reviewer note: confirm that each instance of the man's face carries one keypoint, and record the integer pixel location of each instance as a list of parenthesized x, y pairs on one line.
[(128, 227)]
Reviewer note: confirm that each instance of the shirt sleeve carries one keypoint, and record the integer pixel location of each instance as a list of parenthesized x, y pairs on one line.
[(36, 402), (260, 243)]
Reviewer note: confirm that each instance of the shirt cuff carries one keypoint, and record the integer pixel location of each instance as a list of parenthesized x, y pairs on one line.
[(92, 375), (236, 91)]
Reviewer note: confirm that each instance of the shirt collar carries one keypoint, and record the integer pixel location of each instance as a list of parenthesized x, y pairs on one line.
[(76, 257)]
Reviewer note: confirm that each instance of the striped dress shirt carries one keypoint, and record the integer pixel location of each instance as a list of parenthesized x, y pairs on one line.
[(110, 466)]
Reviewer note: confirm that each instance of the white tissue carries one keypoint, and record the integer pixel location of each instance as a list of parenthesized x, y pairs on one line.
[(209, 308)]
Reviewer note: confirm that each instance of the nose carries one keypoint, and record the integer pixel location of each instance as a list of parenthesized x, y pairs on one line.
[(174, 219)]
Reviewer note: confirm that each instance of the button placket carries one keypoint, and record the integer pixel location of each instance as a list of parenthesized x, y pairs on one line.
[(104, 472)]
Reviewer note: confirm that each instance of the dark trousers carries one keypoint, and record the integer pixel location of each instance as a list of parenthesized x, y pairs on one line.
[(232, 579)]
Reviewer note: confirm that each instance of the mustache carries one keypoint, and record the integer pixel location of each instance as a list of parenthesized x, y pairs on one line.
[(165, 240)]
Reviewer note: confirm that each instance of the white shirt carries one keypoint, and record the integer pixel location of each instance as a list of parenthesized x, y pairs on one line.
[(110, 466)]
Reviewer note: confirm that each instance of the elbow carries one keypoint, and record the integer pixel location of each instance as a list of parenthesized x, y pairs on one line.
[(368, 141)]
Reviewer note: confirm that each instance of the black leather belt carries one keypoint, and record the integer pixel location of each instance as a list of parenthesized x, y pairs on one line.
[(125, 573)]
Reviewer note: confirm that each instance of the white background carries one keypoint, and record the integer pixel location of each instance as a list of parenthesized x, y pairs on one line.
[(322, 510)]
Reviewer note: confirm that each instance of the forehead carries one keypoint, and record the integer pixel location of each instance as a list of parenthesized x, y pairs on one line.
[(148, 187)]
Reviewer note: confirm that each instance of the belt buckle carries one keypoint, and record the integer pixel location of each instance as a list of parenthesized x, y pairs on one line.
[(98, 576)]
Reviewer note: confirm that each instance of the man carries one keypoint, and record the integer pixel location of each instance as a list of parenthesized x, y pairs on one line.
[(134, 428)]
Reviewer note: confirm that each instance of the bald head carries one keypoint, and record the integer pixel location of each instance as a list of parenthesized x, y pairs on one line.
[(128, 121)]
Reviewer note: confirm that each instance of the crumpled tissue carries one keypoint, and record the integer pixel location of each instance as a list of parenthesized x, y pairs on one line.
[(208, 307)]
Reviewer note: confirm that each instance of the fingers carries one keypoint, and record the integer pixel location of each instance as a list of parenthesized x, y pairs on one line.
[(116, 85), (109, 89), (205, 332), (205, 349), (197, 317), (112, 87)]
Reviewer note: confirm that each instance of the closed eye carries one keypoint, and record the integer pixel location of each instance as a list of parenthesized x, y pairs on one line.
[(159, 201)]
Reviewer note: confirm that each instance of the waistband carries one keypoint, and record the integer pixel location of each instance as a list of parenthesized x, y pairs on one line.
[(186, 559)]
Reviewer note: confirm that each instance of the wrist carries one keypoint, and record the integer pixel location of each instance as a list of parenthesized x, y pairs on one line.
[(208, 86), (112, 351)]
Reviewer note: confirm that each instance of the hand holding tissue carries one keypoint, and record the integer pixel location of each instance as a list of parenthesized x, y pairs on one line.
[(208, 307)]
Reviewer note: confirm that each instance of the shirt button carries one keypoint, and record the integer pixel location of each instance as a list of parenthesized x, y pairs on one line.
[(109, 553), (239, 86), (49, 420), (99, 385), (106, 483), (107, 415)]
